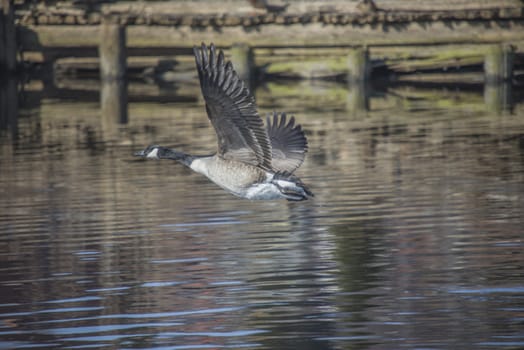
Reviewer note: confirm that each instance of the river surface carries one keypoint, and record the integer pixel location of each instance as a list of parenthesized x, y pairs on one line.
[(414, 238)]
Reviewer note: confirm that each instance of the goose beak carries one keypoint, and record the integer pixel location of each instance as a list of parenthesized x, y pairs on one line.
[(141, 153)]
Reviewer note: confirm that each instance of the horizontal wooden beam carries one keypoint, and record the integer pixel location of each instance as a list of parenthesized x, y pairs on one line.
[(39, 37), (171, 17)]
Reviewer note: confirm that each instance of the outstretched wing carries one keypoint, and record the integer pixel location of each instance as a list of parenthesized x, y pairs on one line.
[(231, 109), (288, 142)]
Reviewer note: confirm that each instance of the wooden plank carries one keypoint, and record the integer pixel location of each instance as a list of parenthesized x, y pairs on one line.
[(443, 63), (274, 35), (171, 16)]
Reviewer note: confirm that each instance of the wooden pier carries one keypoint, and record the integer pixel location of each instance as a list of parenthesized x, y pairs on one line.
[(334, 40), (330, 40)]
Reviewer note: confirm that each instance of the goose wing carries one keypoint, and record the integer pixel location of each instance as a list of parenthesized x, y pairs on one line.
[(288, 142), (231, 109)]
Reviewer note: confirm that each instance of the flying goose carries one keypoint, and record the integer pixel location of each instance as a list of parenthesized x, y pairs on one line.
[(252, 161)]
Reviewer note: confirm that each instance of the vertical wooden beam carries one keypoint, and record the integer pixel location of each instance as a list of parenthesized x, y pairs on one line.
[(8, 47), (113, 92), (112, 49), (498, 63), (359, 68), (498, 97), (113, 104), (243, 62), (357, 101)]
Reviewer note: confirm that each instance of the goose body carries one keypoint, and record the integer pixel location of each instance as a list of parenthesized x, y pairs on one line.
[(252, 161), (248, 181)]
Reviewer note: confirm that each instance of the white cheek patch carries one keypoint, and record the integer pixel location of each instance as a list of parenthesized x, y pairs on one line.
[(153, 154)]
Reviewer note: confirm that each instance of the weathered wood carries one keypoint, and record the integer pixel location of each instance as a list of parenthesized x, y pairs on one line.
[(463, 78), (242, 60), (271, 35), (112, 50), (137, 64), (498, 64), (113, 102), (87, 89), (445, 57), (295, 67), (440, 64), (113, 93), (359, 67), (173, 16), (498, 97), (358, 98), (442, 99), (177, 26)]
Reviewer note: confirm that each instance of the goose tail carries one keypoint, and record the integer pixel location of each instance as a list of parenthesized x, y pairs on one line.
[(291, 187)]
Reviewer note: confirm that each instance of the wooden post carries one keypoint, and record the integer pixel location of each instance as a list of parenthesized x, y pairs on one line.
[(8, 48), (113, 103), (498, 97), (359, 68), (358, 98), (498, 63), (112, 50), (243, 62)]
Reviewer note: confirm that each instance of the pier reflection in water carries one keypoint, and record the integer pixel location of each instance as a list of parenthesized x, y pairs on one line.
[(414, 238)]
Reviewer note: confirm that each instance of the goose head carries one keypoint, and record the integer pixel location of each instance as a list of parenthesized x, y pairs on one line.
[(151, 152)]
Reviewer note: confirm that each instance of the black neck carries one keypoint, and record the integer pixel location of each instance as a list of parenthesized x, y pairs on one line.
[(168, 153)]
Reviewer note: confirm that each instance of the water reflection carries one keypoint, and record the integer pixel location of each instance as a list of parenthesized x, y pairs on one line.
[(113, 101), (9, 105), (358, 98), (498, 97), (415, 230)]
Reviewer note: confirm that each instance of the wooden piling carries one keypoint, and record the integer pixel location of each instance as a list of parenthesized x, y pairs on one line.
[(8, 47), (498, 97), (357, 101), (498, 63), (113, 103), (243, 61), (359, 68), (112, 50)]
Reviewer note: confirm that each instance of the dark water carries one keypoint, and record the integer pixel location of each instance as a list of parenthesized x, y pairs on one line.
[(414, 239)]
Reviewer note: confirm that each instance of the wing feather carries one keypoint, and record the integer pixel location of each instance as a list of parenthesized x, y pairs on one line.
[(232, 110), (288, 142)]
